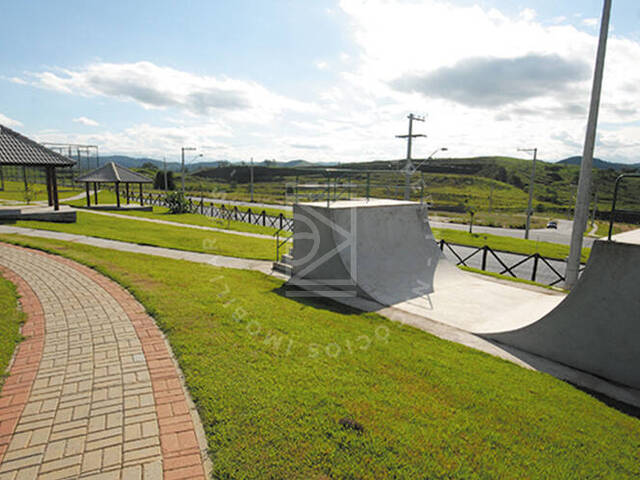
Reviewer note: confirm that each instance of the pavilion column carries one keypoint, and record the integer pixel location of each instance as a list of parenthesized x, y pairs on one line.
[(118, 194), (141, 197), (127, 187), (49, 185), (54, 182), (95, 192), (86, 185)]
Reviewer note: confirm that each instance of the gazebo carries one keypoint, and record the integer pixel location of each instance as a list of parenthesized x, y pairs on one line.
[(112, 173), (18, 150)]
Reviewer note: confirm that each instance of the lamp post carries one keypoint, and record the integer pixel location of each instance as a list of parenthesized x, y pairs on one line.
[(184, 149), (410, 170), (581, 214), (531, 183)]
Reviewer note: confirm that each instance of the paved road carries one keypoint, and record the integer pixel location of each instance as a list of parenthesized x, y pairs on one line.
[(562, 235)]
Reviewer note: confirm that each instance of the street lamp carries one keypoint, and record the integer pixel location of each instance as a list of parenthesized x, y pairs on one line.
[(533, 179), (184, 149)]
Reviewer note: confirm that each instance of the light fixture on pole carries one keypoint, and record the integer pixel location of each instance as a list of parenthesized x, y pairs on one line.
[(531, 184), (581, 214)]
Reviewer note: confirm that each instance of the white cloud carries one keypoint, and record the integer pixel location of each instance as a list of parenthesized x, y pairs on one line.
[(321, 65), (591, 22), (155, 87), (489, 83), (86, 121), (9, 122)]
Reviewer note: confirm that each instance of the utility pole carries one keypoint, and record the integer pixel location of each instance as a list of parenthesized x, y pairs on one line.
[(584, 183), (409, 169), (531, 184), (184, 149), (251, 173), (166, 185)]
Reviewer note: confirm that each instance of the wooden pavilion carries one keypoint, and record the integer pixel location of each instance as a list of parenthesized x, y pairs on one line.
[(112, 173), (18, 150)]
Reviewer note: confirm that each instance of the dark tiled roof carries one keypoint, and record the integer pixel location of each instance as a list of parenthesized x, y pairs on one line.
[(112, 172), (16, 149)]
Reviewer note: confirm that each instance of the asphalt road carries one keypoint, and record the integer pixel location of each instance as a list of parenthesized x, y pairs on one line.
[(562, 235)]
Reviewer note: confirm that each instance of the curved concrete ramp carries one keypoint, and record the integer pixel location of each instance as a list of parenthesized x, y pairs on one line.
[(384, 251), (597, 327)]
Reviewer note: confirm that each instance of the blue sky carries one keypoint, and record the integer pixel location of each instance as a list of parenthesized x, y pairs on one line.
[(322, 80)]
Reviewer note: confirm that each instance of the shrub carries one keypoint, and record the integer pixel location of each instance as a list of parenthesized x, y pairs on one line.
[(177, 203)]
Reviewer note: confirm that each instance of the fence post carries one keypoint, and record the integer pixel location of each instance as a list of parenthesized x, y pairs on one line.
[(264, 218), (442, 245), (485, 251), (235, 213), (534, 273), (249, 215), (281, 217)]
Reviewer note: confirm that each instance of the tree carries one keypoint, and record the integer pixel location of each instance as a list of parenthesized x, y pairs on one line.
[(149, 166), (158, 181)]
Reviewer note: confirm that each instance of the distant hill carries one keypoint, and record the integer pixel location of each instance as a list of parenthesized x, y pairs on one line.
[(601, 164)]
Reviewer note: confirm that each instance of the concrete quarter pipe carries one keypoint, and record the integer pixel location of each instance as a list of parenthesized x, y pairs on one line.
[(384, 251)]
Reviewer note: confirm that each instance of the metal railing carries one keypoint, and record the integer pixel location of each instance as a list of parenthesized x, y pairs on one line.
[(260, 218), (506, 266), (615, 198)]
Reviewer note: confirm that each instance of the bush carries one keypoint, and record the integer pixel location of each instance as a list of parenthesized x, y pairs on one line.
[(177, 203)]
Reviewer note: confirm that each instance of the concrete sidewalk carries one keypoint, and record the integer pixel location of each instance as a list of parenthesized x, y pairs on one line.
[(93, 391)]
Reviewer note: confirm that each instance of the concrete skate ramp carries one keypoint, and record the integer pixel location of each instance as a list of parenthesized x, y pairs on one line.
[(597, 327), (383, 250)]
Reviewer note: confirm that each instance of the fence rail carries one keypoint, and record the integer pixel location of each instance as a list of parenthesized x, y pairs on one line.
[(260, 218), (507, 266)]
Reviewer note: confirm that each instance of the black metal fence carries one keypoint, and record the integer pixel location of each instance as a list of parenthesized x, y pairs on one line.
[(253, 217), (508, 266)]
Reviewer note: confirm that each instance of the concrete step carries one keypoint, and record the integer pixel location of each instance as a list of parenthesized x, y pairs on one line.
[(287, 259), (283, 268)]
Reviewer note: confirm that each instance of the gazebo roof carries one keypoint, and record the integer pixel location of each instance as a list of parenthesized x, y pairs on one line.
[(16, 149), (111, 173)]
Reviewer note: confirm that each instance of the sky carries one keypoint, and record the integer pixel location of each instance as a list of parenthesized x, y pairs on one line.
[(321, 80)]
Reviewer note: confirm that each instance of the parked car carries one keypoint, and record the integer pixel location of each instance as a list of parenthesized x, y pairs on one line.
[(552, 224)]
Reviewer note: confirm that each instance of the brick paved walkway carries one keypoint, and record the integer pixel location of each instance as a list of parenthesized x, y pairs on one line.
[(93, 391)]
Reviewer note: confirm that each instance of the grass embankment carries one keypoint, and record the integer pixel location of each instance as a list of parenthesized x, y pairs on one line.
[(162, 213), (14, 192), (486, 219), (507, 244), (158, 235), (273, 377), (11, 317)]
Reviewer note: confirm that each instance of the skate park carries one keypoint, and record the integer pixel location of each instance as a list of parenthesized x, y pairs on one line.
[(382, 253)]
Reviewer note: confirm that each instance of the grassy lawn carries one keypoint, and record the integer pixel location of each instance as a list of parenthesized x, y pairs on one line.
[(508, 244), (162, 213), (495, 219), (159, 235), (14, 192), (306, 389), (11, 317)]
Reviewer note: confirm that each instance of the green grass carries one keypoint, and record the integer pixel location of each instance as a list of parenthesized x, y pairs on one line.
[(14, 192), (159, 235), (273, 376), (162, 213), (11, 317), (507, 244)]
